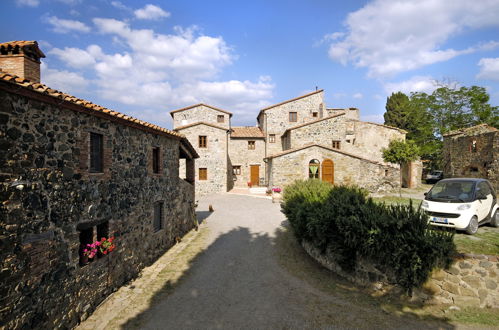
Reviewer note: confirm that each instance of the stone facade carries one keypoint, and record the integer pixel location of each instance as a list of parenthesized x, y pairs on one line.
[(213, 157), (472, 152), (293, 124), (201, 112), (348, 169), (240, 155), (472, 280), (51, 205)]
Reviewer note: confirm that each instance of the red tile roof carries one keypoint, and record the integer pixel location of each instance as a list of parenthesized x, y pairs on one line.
[(246, 131), (287, 101), (87, 106), (198, 105), (27, 47)]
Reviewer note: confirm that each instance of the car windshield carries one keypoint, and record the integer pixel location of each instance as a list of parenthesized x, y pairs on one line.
[(452, 191)]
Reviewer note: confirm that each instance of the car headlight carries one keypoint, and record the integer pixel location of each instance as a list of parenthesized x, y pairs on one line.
[(463, 207), (424, 205)]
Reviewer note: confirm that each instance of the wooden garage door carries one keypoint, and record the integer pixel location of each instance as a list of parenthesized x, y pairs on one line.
[(255, 175), (328, 171)]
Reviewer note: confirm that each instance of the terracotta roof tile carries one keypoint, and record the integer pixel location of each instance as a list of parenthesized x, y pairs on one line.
[(90, 107), (477, 129), (27, 47), (198, 105), (246, 131)]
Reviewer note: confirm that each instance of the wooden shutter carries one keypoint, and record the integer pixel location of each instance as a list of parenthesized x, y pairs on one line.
[(203, 174)]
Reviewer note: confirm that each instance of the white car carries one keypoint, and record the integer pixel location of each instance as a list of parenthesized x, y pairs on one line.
[(462, 203)]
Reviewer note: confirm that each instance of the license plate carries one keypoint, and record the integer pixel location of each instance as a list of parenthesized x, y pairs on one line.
[(440, 220)]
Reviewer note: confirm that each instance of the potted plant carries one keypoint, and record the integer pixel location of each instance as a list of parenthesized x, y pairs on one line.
[(99, 248), (276, 194), (249, 184)]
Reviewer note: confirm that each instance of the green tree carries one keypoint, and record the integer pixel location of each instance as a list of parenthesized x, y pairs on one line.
[(397, 110), (400, 152)]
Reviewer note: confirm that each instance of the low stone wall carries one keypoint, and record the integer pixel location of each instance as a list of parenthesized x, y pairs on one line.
[(472, 280)]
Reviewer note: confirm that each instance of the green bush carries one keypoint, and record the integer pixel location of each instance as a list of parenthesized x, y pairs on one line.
[(396, 238)]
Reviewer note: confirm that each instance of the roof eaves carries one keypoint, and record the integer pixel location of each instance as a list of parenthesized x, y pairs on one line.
[(290, 100), (199, 105), (199, 123)]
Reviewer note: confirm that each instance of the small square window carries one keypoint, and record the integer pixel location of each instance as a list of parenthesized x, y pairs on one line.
[(236, 170), (293, 116), (203, 174), (86, 237), (202, 141), (158, 216), (336, 144), (96, 153), (155, 160), (271, 138), (251, 145), (315, 114), (220, 118)]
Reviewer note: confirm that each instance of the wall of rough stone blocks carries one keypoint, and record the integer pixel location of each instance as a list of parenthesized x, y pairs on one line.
[(47, 198), (240, 155), (472, 280), (348, 169), (277, 118), (214, 158), (460, 161), (200, 113)]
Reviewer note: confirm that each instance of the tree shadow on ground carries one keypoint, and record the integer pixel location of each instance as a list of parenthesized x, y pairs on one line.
[(255, 280)]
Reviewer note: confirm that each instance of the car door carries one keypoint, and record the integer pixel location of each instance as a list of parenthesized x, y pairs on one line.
[(484, 205)]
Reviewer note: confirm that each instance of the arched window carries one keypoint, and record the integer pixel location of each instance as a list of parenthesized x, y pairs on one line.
[(313, 169)]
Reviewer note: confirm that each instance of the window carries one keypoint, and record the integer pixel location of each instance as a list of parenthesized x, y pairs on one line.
[(313, 169), (386, 172), (158, 216), (96, 153), (102, 232), (271, 138), (202, 141), (220, 118), (473, 146), (86, 237), (251, 145), (293, 116), (155, 160), (315, 114), (236, 170), (203, 174), (336, 144)]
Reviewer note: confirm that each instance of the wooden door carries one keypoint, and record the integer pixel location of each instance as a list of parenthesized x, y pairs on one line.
[(328, 171), (255, 175)]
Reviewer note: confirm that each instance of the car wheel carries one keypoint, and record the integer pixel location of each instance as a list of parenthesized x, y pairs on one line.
[(494, 221), (472, 226)]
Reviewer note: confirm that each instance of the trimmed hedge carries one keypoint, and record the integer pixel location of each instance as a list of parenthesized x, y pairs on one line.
[(396, 238)]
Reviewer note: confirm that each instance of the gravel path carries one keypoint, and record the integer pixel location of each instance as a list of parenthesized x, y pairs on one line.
[(240, 282)]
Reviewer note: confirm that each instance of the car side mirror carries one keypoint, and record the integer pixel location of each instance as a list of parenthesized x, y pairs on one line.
[(425, 194)]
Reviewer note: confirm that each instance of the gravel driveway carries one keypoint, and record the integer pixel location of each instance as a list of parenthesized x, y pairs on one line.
[(244, 270)]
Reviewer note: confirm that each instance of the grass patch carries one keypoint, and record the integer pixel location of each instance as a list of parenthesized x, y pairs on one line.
[(484, 316), (485, 241)]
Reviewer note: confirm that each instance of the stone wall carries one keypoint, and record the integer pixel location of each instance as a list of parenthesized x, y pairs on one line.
[(472, 280), (459, 159), (276, 119), (48, 200), (240, 155), (200, 113), (348, 169), (213, 158), (322, 132)]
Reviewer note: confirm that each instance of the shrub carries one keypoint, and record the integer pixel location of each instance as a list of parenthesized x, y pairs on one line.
[(396, 238)]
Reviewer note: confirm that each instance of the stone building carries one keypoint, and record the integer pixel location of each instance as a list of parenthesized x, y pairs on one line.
[(73, 172), (472, 152), (294, 139)]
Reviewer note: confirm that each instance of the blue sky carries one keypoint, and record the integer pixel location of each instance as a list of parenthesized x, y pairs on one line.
[(148, 58)]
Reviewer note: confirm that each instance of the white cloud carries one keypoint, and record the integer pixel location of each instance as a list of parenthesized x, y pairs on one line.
[(388, 37), (66, 81), (28, 3), (357, 96), (119, 5), (489, 69), (151, 12), (161, 72), (415, 84), (66, 25)]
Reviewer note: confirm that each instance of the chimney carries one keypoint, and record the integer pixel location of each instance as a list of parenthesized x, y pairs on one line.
[(21, 58)]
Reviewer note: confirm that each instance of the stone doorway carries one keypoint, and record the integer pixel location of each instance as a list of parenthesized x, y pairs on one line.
[(255, 175), (328, 171)]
